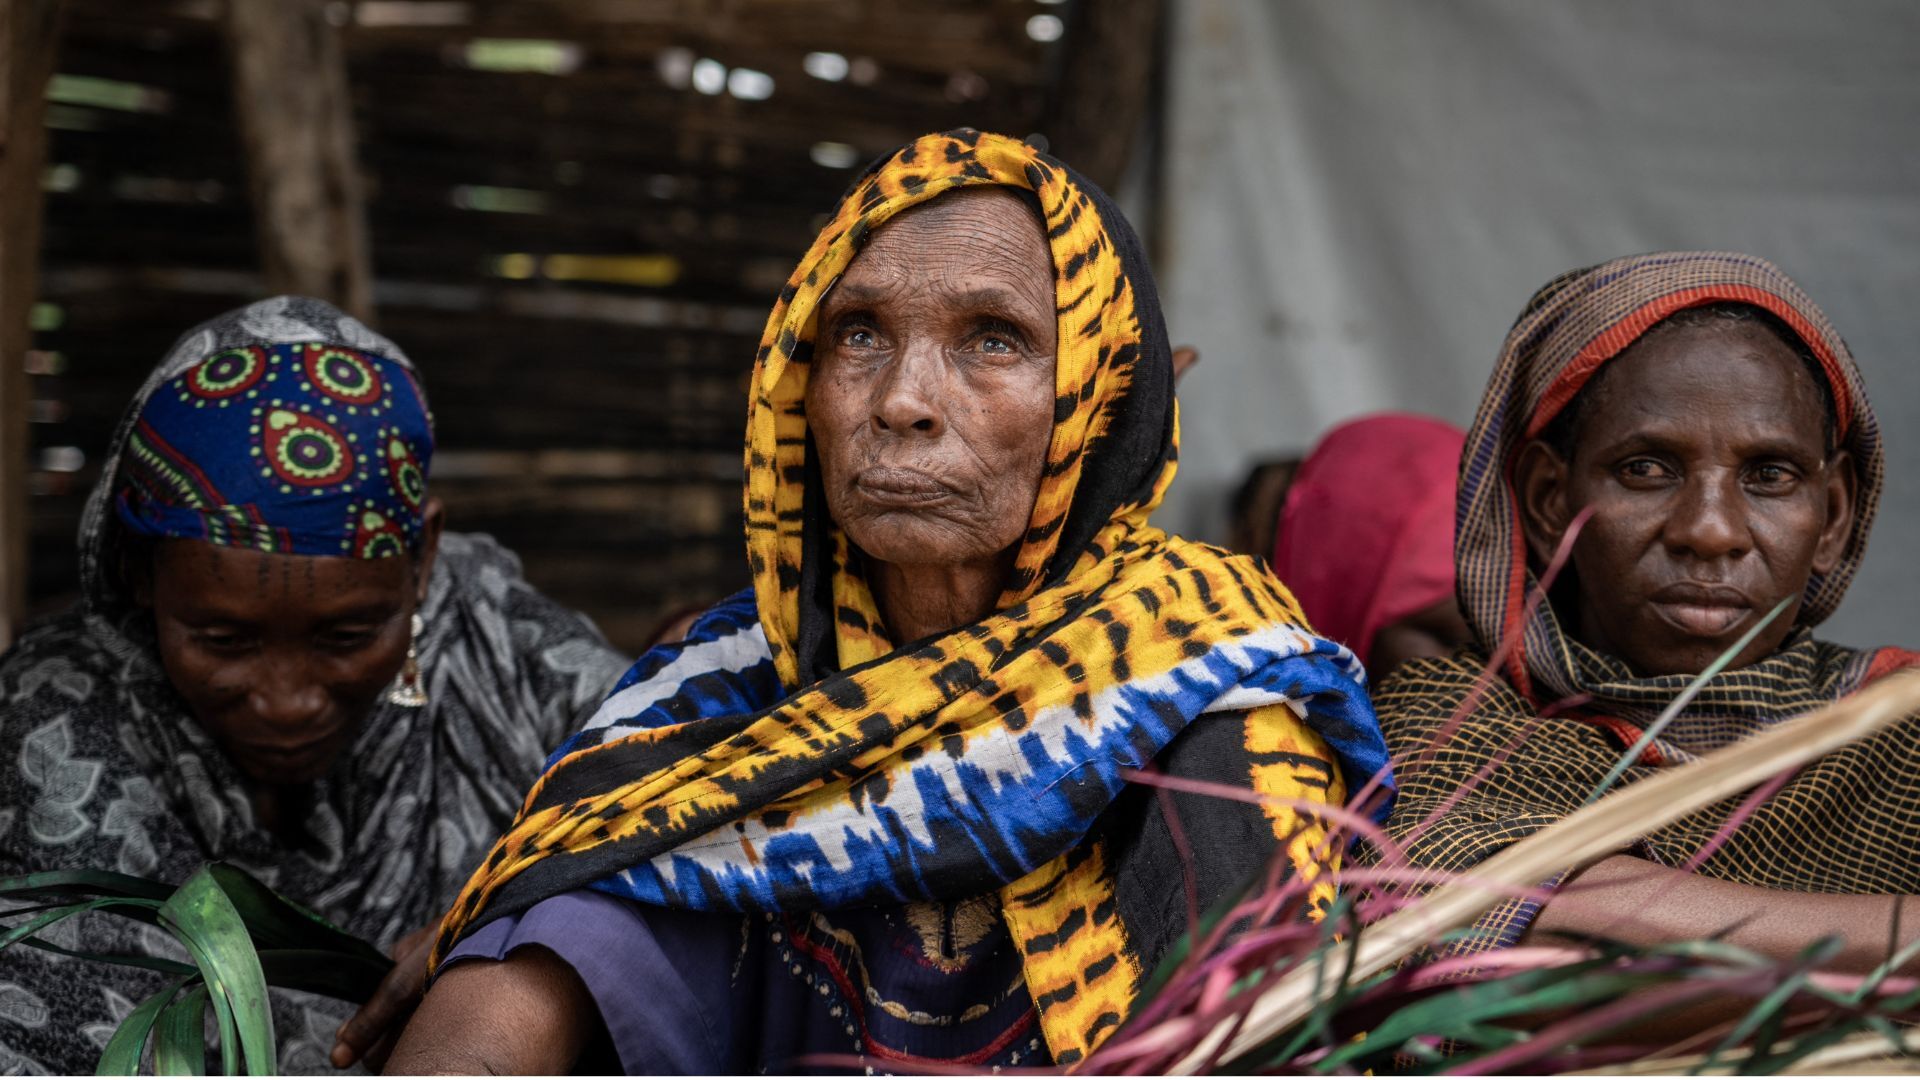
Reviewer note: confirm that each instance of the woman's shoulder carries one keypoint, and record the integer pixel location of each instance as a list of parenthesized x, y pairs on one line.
[(480, 606), (465, 555), (1443, 679), (477, 576), (1426, 692), (56, 665)]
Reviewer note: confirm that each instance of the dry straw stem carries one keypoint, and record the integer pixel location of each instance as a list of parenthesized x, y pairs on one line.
[(1580, 838)]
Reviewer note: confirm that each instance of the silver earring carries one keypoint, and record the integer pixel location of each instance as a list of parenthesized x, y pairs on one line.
[(409, 689)]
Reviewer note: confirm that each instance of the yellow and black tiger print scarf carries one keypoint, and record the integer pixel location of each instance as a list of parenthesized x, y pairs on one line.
[(788, 756)]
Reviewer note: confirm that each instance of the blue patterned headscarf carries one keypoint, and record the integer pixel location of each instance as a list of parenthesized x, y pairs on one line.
[(318, 445)]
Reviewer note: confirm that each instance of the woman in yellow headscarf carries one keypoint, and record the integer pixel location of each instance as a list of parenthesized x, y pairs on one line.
[(904, 752)]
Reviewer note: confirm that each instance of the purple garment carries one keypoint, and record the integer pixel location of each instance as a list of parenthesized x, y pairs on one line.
[(708, 992), (631, 962)]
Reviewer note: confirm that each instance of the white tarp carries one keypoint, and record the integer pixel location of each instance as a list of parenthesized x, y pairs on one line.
[(1361, 194)]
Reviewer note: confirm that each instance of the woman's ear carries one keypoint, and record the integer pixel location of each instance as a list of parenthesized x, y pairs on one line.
[(433, 517), (1540, 481), (1841, 491)]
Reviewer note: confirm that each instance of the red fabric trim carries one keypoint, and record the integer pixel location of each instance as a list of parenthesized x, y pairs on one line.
[(1628, 734), (1614, 340), (1516, 604), (181, 460), (1889, 660)]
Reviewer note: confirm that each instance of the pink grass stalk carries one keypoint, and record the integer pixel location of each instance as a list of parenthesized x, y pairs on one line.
[(1521, 958), (1197, 984), (1746, 809), (867, 1064), (1181, 987), (1479, 777), (1178, 834), (1342, 815)]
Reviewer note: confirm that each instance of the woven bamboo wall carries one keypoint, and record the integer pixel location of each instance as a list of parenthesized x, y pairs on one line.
[(591, 424)]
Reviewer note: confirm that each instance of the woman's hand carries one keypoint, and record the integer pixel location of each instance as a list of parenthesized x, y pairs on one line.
[(370, 1034)]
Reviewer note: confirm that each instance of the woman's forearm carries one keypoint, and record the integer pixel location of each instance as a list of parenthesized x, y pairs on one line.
[(1643, 903), (527, 1014)]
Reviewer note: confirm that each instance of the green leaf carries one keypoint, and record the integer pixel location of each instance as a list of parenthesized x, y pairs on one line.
[(316, 971), (1463, 1011), (1768, 1013), (1328, 1002), (204, 919), (47, 918), (84, 882), (1806, 1045), (180, 1043), (122, 1055), (277, 923), (150, 963)]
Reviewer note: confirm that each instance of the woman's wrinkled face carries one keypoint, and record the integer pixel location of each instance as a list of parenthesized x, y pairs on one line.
[(280, 657), (931, 396), (1704, 457)]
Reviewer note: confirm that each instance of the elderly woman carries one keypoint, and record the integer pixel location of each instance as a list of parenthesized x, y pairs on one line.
[(904, 754), (281, 662), (1711, 420)]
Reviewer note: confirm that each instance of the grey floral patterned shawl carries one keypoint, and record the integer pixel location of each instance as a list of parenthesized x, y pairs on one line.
[(101, 765)]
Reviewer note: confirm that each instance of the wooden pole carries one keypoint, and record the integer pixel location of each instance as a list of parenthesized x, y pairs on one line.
[(1106, 84), (31, 32), (296, 126)]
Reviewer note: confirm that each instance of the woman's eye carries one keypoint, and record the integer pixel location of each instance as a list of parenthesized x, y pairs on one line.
[(859, 337), (1772, 475), (347, 640), (1643, 469), (219, 641), (995, 344)]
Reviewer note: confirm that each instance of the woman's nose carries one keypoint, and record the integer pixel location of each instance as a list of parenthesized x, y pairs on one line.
[(909, 398), (1708, 521), (286, 697)]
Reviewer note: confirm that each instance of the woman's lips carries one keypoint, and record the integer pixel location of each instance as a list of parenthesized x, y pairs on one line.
[(1702, 610), (908, 488), (293, 757)]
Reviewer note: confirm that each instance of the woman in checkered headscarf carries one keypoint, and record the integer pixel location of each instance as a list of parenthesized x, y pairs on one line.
[(1704, 411)]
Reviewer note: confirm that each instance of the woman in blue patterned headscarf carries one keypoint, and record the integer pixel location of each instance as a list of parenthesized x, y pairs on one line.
[(280, 661)]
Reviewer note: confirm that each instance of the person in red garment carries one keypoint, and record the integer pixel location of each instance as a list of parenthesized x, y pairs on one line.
[(1365, 539)]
